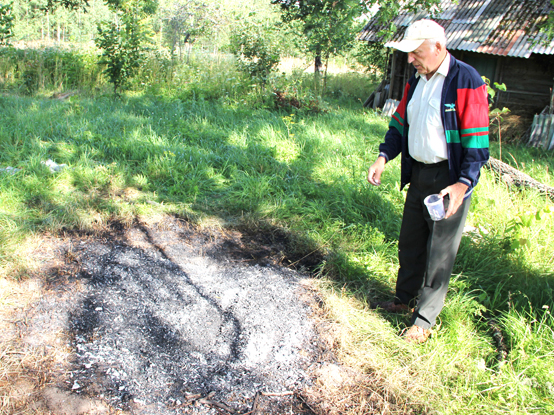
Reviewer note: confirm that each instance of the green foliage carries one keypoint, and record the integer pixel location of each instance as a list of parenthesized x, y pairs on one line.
[(328, 26), (6, 23), (256, 46), (68, 4), (30, 70), (207, 23), (141, 7), (122, 52), (496, 113), (389, 9), (521, 228), (32, 23), (547, 27), (492, 91), (122, 40), (184, 21), (372, 56)]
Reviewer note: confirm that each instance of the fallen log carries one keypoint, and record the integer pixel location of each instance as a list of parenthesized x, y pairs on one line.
[(512, 176)]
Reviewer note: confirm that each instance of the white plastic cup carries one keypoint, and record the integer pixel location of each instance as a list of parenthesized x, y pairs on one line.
[(435, 206)]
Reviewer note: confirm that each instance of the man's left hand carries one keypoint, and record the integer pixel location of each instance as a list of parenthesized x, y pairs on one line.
[(456, 193)]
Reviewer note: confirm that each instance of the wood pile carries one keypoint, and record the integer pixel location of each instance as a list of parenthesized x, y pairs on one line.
[(377, 97)]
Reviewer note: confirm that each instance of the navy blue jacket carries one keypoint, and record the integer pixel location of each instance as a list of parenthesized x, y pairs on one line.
[(465, 117)]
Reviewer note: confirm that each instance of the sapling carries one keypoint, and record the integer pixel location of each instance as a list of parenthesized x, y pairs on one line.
[(495, 115)]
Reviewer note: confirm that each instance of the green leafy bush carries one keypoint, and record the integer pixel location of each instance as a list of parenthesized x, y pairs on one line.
[(256, 46), (122, 52), (6, 23)]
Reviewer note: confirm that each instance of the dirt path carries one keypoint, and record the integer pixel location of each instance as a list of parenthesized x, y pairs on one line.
[(167, 319)]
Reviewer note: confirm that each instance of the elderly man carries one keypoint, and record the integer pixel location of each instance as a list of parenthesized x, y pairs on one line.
[(441, 129)]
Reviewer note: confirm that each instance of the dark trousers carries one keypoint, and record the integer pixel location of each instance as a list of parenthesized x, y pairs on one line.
[(427, 249)]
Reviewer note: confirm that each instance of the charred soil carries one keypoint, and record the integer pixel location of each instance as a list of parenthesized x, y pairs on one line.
[(167, 318)]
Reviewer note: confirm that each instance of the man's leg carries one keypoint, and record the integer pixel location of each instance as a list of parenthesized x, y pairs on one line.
[(442, 247), (427, 249), (412, 248)]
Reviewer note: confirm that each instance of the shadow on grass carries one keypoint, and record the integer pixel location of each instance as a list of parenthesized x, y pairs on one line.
[(489, 266), (220, 161), (226, 162)]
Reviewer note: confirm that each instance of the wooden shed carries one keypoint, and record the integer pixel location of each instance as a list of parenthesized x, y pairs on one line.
[(499, 38)]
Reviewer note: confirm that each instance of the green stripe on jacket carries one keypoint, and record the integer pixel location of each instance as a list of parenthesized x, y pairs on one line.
[(452, 136), (394, 123), (470, 138)]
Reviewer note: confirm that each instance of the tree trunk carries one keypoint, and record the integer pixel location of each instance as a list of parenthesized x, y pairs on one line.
[(325, 73), (188, 46), (317, 63), (173, 44), (48, 25)]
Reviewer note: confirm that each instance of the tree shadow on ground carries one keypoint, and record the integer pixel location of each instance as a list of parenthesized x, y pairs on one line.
[(217, 160), (211, 158)]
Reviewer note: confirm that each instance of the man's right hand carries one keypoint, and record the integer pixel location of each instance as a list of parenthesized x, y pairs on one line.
[(374, 172)]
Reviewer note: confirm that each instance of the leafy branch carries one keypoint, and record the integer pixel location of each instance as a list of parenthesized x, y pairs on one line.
[(6, 23), (520, 226), (495, 115)]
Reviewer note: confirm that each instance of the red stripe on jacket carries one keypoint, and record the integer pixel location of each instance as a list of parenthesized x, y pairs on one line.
[(470, 103)]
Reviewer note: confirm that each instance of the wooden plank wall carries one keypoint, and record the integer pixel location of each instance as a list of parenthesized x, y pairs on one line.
[(528, 83)]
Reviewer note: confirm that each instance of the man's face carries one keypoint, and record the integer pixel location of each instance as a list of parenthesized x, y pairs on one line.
[(426, 58)]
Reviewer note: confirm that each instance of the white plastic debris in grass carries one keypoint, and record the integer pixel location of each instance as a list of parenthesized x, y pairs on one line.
[(53, 166), (10, 170)]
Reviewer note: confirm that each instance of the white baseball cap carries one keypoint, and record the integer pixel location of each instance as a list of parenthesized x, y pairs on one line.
[(417, 33)]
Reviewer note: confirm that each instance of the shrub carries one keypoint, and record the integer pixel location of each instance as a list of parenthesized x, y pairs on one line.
[(255, 44), (6, 23), (122, 51)]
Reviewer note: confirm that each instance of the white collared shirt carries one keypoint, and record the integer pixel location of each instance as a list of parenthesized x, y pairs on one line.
[(426, 138)]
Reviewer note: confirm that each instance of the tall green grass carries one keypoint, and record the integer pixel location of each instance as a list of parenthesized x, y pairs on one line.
[(28, 71), (208, 144), (200, 76)]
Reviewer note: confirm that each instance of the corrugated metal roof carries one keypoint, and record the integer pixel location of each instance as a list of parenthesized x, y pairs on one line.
[(496, 27)]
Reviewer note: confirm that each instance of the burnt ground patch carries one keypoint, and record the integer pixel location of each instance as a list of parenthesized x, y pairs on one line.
[(167, 318)]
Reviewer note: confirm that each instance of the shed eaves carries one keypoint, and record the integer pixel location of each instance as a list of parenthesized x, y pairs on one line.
[(496, 27)]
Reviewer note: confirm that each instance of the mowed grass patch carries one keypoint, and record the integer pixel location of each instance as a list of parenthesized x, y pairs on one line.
[(306, 173)]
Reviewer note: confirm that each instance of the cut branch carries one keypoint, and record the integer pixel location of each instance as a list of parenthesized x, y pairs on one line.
[(217, 405)]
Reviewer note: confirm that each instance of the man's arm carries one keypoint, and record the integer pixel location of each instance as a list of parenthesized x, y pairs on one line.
[(473, 110), (393, 141)]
